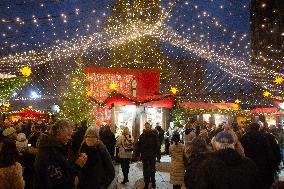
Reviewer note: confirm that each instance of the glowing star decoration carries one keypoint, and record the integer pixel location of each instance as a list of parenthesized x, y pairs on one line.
[(174, 90), (89, 93), (236, 107), (266, 93), (26, 71), (30, 107), (237, 101), (6, 104), (113, 86), (278, 80)]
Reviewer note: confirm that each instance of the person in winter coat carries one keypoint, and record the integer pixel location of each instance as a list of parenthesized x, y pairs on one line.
[(108, 139), (98, 172), (11, 172), (177, 162), (78, 136), (226, 169), (125, 143), (259, 148), (26, 158), (161, 133), (199, 152), (53, 168), (188, 137), (147, 149)]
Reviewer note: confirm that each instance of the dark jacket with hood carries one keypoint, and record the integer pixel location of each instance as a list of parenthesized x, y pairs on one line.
[(147, 145), (260, 148), (53, 169), (225, 169), (98, 172)]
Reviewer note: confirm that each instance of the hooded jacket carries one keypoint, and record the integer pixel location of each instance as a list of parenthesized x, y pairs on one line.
[(53, 169), (223, 169)]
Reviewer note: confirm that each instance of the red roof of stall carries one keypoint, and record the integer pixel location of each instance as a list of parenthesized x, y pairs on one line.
[(163, 100), (207, 106), (29, 111)]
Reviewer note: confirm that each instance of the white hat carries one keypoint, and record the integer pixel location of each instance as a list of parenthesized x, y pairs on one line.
[(22, 141), (8, 131)]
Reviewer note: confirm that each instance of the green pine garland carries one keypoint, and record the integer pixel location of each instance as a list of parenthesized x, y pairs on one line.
[(7, 86)]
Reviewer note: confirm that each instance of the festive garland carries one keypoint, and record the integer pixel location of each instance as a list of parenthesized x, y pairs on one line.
[(7, 86), (136, 102)]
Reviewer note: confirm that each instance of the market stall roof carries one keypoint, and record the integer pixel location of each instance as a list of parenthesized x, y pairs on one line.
[(29, 111), (161, 100), (267, 111), (207, 106)]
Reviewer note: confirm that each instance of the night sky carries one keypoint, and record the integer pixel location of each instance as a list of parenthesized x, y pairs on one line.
[(36, 24)]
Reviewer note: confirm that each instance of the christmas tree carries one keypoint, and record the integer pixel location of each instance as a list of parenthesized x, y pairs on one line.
[(141, 51), (76, 105), (9, 85)]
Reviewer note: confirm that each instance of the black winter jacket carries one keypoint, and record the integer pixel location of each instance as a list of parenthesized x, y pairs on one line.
[(147, 145), (53, 169), (98, 172)]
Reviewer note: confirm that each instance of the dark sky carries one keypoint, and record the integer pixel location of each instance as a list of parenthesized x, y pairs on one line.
[(214, 22), (232, 14)]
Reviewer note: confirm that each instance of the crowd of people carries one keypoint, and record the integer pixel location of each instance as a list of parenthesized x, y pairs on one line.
[(60, 154), (226, 157)]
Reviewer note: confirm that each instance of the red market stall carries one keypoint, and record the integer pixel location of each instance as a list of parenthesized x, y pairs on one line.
[(128, 97), (27, 114)]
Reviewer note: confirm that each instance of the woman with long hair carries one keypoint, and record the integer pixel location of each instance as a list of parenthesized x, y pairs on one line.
[(11, 172)]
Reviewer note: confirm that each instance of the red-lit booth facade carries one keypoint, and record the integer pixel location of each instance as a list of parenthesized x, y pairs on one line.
[(128, 97)]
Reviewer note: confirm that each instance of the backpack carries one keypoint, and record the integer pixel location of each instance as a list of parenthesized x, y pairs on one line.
[(127, 144)]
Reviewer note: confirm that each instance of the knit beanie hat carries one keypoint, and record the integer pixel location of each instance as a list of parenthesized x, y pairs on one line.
[(223, 140), (21, 142), (92, 131), (8, 131), (224, 137)]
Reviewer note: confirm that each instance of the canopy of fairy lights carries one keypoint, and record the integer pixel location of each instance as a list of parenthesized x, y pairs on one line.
[(192, 35)]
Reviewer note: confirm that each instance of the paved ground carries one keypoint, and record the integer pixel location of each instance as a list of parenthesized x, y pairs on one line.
[(136, 175), (162, 176)]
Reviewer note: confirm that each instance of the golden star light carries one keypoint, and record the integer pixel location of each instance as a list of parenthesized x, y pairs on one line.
[(266, 94), (113, 86), (237, 101), (278, 80), (26, 71), (174, 90)]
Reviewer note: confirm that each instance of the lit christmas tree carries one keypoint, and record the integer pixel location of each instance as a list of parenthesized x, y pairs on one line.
[(140, 51), (76, 105), (9, 85)]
